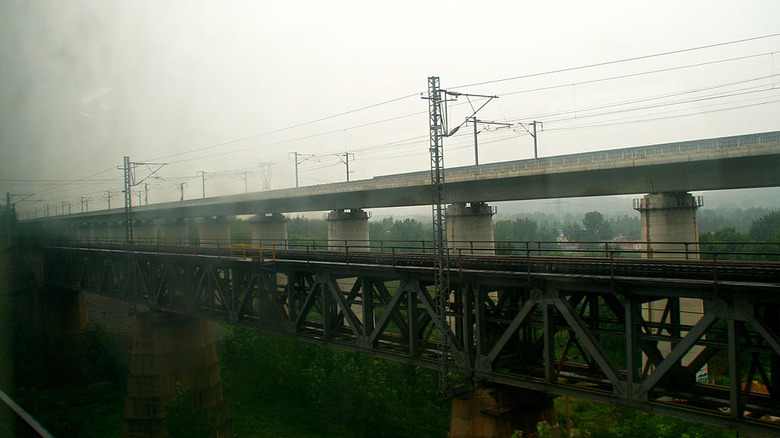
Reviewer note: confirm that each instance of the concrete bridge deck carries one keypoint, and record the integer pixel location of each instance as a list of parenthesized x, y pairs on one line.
[(745, 161)]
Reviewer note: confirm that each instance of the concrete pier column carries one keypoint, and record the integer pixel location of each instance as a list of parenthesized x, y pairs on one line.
[(101, 232), (145, 232), (348, 227), (666, 218), (269, 229), (498, 411), (60, 312), (214, 230), (669, 217), (470, 227), (117, 232), (173, 355), (83, 232), (172, 232)]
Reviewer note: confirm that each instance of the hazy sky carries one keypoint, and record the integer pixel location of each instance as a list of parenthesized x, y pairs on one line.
[(222, 87)]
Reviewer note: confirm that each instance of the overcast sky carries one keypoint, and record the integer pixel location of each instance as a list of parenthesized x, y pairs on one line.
[(228, 87)]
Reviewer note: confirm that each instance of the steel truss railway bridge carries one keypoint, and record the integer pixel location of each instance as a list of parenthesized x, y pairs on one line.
[(571, 324)]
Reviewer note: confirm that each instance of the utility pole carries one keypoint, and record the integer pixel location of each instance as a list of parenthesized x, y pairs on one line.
[(475, 121), (300, 158), (203, 181), (245, 184), (345, 160), (64, 203), (533, 134), (84, 201), (146, 194), (181, 187), (108, 198), (128, 168)]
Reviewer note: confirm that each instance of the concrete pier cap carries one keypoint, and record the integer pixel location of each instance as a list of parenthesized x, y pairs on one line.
[(269, 229), (470, 228), (348, 228)]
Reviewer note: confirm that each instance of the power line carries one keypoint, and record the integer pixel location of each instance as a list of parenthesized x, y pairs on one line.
[(618, 61), (322, 119)]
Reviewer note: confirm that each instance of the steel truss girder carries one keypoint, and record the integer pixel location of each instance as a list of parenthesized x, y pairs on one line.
[(534, 332)]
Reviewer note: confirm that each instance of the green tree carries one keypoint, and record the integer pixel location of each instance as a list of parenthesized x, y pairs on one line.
[(766, 227), (595, 228), (184, 419)]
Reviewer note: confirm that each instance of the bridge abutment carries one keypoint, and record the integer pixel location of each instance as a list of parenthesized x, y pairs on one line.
[(470, 228), (497, 411), (269, 229), (348, 227), (173, 360)]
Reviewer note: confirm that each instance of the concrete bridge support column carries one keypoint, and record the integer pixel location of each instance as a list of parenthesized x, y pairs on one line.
[(83, 232), (470, 228), (667, 218), (172, 232), (499, 411), (270, 229), (145, 232), (172, 355), (213, 231), (117, 232), (670, 231), (101, 233), (348, 227), (60, 312)]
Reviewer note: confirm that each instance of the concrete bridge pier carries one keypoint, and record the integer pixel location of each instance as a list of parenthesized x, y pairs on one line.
[(270, 229), (668, 220), (497, 411), (213, 231), (470, 228), (101, 232), (145, 232), (173, 356), (670, 231), (350, 227), (60, 313), (172, 232)]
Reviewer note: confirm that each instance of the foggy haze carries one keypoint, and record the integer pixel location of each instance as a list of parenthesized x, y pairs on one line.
[(222, 87)]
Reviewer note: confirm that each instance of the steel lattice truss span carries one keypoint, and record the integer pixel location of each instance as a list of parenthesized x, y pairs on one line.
[(569, 326)]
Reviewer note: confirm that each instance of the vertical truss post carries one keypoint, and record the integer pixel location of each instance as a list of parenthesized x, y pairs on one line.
[(441, 269)]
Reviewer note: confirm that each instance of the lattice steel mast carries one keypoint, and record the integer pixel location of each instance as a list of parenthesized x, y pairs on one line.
[(437, 122), (441, 276)]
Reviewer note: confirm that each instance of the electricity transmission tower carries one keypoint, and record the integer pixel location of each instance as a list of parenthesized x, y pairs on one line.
[(265, 174)]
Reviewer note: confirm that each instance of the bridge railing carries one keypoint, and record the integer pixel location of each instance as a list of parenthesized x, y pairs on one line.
[(748, 251), (31, 425)]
